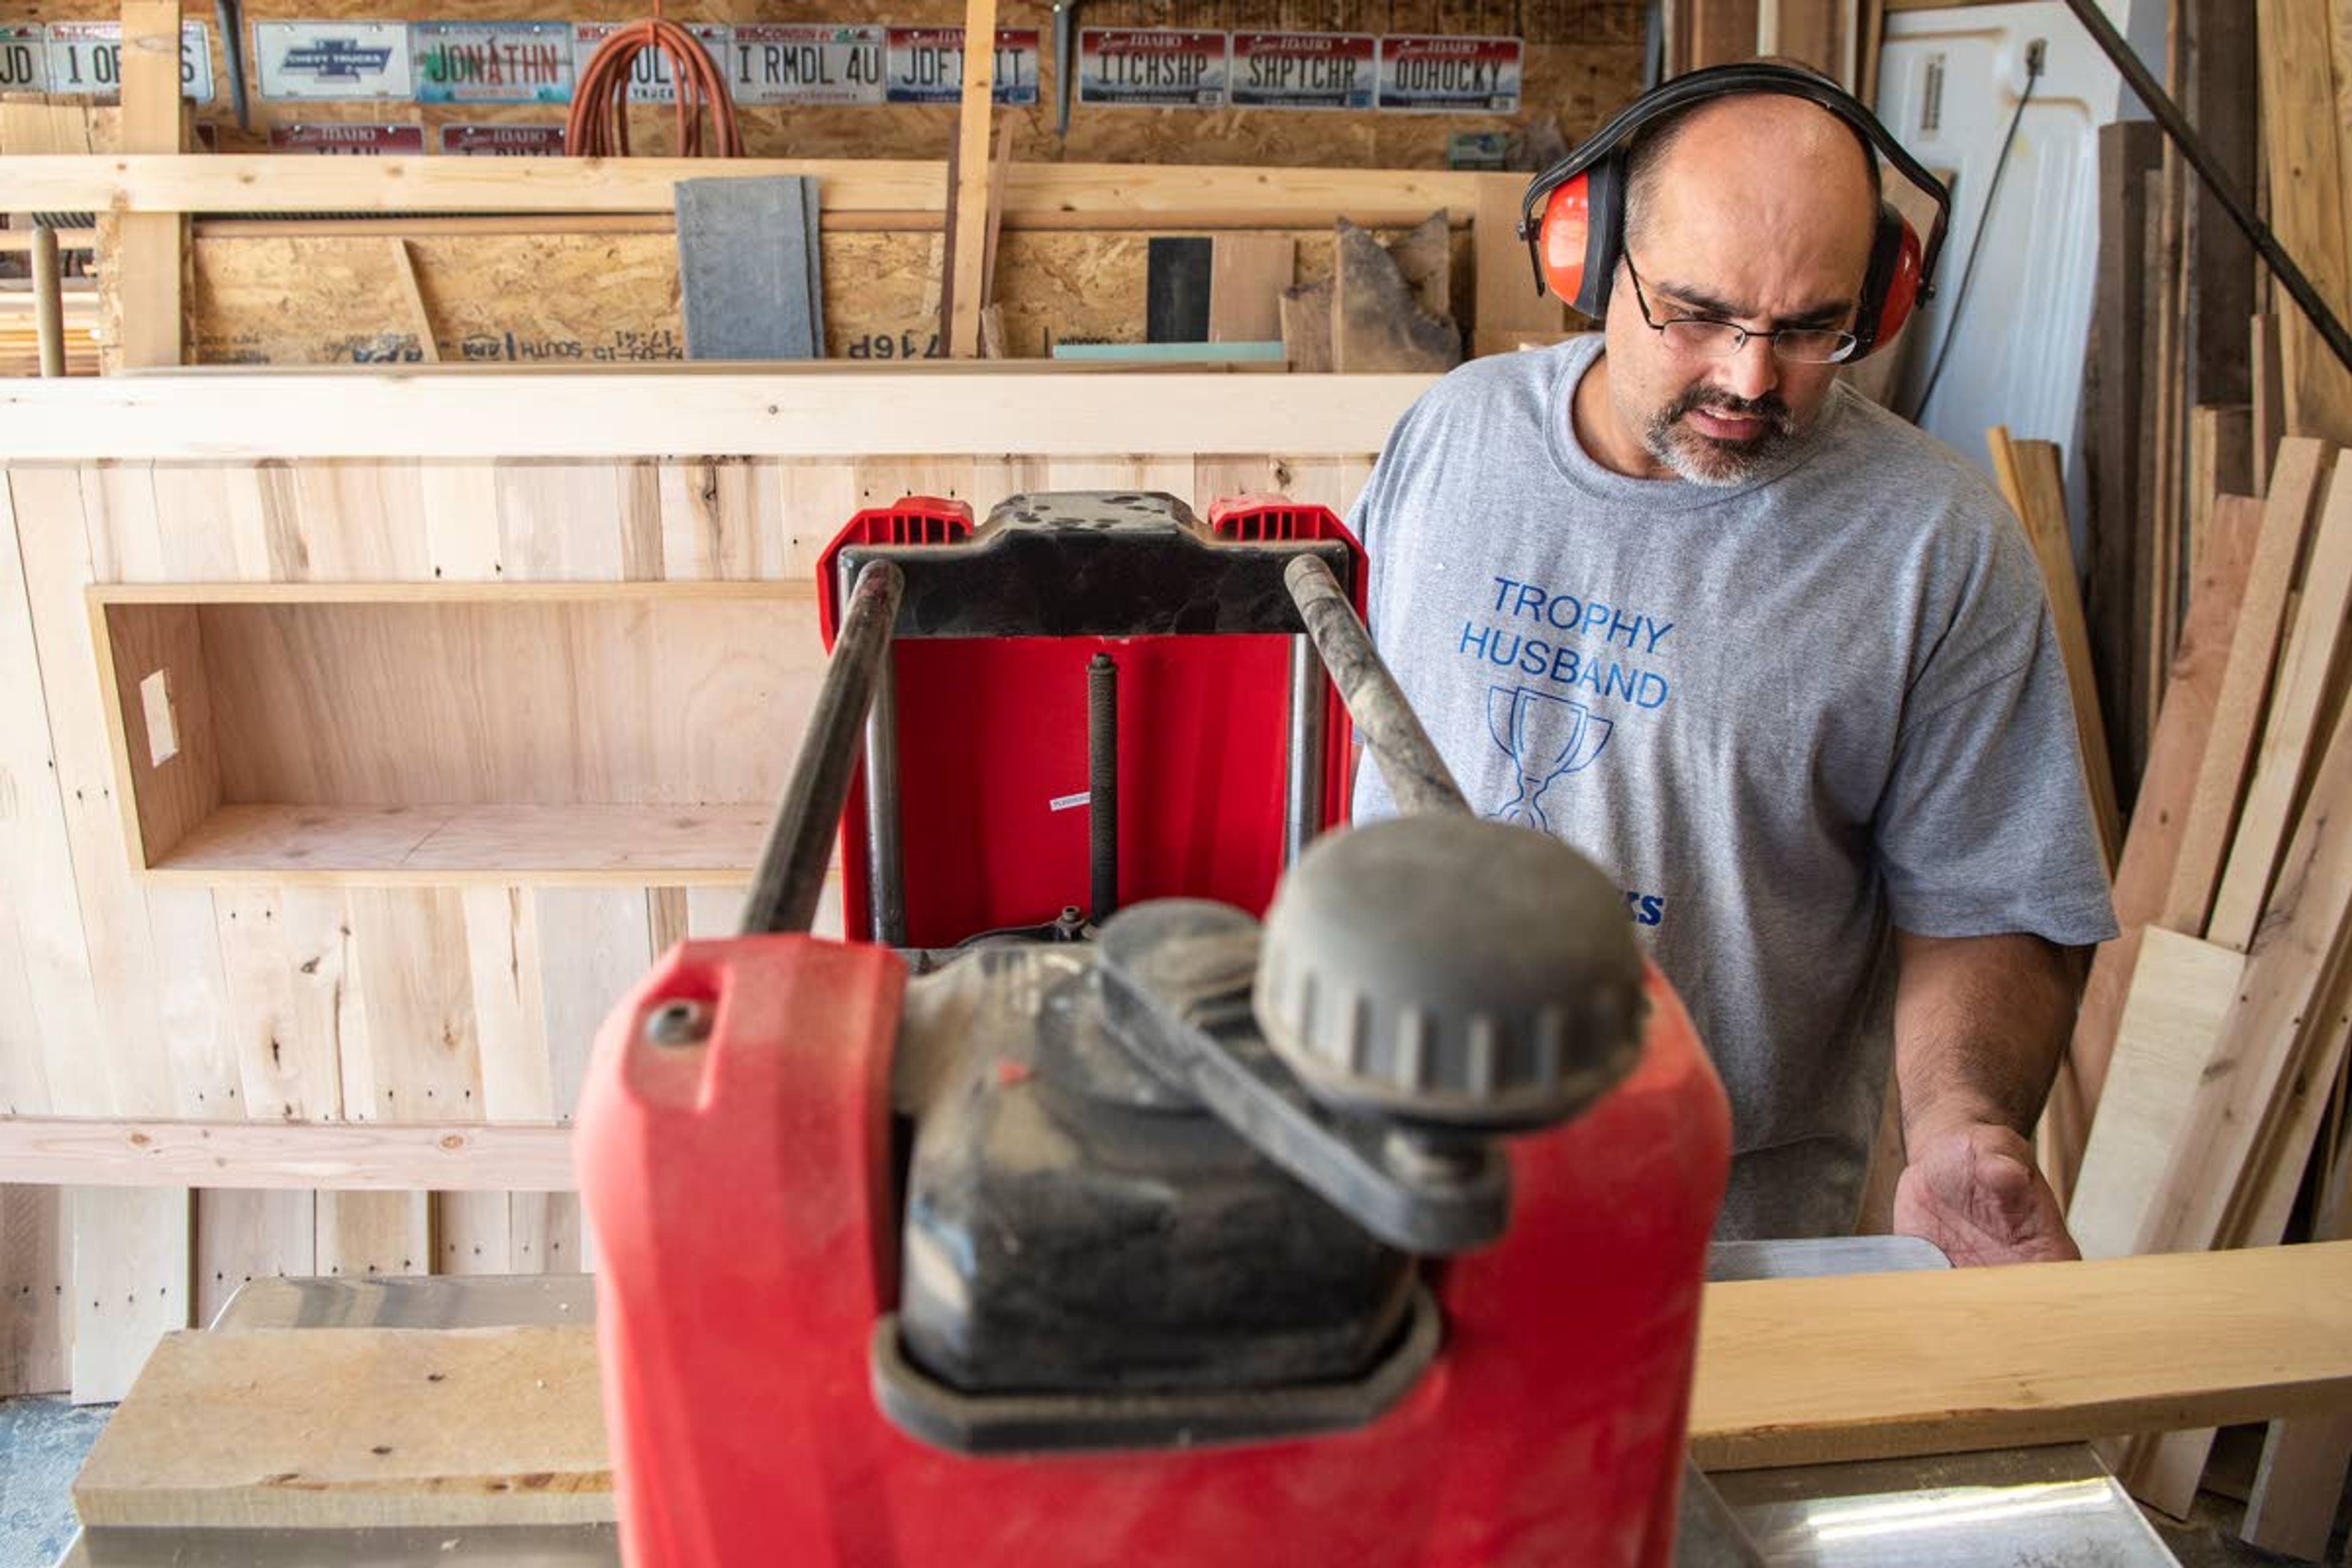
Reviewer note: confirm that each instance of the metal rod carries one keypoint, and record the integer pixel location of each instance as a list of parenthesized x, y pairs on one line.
[(1417, 777), (2217, 179), (885, 849), (1302, 803), (48, 301), (791, 875), (1102, 784)]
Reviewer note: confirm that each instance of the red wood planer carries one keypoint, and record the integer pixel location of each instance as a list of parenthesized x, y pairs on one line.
[(1160, 1173)]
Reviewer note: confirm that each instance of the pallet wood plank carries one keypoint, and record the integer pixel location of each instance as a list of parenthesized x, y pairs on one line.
[(63, 1055), (2309, 914), (2315, 652), (2144, 874), (374, 1234), (2032, 480), (2300, 134), (344, 1156), (244, 1235), (2181, 996), (968, 203), (36, 1267), (419, 984), (131, 1283), (2237, 715)]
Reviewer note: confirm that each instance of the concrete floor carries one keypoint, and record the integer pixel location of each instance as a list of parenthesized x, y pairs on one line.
[(43, 1442)]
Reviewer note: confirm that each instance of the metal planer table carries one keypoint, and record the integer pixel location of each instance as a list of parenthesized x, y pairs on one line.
[(2029, 1508)]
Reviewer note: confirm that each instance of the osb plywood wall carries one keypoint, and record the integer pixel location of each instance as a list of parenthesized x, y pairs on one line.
[(613, 299), (1583, 58), (326, 998)]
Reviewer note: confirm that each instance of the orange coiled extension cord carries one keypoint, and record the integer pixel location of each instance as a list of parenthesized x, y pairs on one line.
[(598, 126)]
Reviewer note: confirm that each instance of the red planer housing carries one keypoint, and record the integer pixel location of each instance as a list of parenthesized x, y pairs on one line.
[(745, 1146)]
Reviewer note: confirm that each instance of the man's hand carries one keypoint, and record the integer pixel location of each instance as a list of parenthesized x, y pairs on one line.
[(1974, 1191)]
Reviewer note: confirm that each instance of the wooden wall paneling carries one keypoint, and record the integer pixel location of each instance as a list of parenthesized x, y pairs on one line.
[(562, 522), (24, 1070), (55, 1041), (509, 1013), (884, 481), (213, 525), (714, 911), (593, 945), (2237, 712), (726, 518), (462, 524), (993, 479), (548, 1234), (473, 1233), (158, 695), (330, 1005), (56, 561), (2300, 131), (374, 1233), (2315, 652), (283, 958), (131, 1283), (125, 528), (35, 1267), (2181, 996), (353, 521), (417, 980), (245, 1233), (193, 1005), (1174, 475)]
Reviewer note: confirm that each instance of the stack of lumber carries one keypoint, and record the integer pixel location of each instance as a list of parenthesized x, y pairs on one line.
[(20, 347), (2212, 1043)]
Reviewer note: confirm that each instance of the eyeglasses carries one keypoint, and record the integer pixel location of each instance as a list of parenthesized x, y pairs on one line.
[(1709, 337)]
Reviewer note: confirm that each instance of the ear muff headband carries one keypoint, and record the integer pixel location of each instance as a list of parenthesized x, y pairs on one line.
[(1574, 241)]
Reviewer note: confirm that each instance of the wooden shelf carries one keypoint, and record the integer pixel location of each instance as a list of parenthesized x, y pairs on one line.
[(616, 733), (440, 845)]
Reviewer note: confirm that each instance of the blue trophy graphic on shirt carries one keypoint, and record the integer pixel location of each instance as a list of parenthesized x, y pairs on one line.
[(1549, 738)]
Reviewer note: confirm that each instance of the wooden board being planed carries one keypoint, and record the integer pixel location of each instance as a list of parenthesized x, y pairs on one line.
[(354, 1427), (364, 1427)]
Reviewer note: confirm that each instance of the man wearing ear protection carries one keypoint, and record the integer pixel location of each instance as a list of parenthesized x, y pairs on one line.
[(1778, 659)]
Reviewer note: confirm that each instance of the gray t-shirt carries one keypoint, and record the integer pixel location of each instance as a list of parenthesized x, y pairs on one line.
[(1781, 715)]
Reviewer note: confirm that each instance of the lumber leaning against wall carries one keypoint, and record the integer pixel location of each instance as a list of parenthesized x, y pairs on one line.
[(313, 995)]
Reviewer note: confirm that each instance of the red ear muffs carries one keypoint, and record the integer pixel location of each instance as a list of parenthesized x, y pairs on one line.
[(1892, 285), (1575, 240)]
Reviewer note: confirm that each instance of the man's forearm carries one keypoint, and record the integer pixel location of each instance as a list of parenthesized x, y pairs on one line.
[(1980, 1025)]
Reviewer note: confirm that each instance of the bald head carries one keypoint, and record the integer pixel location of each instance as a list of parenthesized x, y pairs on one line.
[(1759, 158)]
